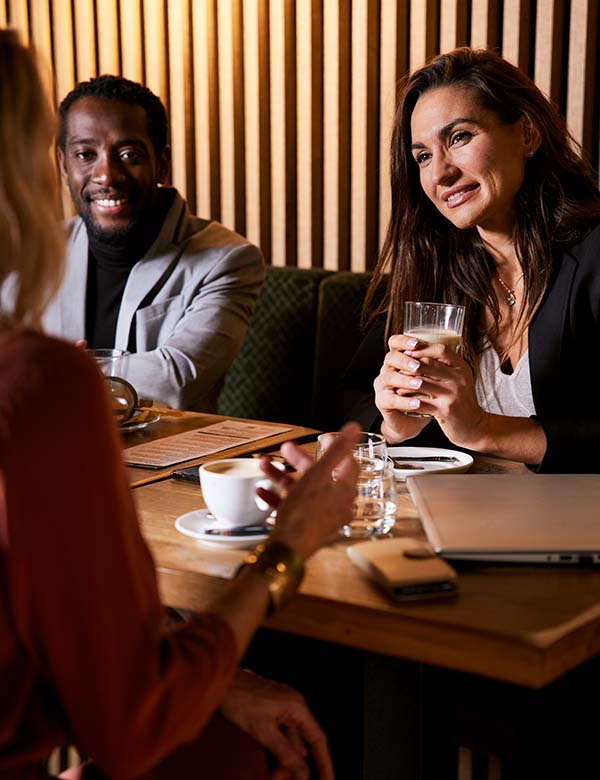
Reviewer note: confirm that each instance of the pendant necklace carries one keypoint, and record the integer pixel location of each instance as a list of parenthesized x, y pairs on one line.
[(509, 292)]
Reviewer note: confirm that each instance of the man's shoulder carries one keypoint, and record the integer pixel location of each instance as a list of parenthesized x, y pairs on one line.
[(208, 233), (219, 245)]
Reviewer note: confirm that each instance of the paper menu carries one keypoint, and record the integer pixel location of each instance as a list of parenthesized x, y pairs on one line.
[(195, 444)]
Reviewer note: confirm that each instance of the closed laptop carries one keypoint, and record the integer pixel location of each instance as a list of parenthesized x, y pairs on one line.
[(537, 518)]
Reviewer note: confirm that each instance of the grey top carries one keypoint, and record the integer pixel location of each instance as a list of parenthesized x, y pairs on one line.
[(506, 394)]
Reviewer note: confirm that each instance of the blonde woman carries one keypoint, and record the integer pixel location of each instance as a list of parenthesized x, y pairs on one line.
[(83, 658)]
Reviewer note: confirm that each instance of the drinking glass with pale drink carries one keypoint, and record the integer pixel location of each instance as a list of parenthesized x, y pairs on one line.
[(434, 323)]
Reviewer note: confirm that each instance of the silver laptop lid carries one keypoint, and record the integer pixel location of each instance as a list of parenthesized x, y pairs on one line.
[(538, 518)]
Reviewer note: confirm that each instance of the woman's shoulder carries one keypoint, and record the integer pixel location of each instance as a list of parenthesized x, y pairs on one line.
[(37, 370), (26, 347), (588, 242)]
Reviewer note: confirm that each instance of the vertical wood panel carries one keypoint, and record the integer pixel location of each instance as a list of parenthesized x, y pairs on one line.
[(453, 24), (155, 49), (226, 115), (41, 33), (388, 80), (484, 24), (278, 134), (548, 47), (132, 46), (359, 134), (583, 78), (63, 40), (86, 60), (214, 117), (423, 31), (516, 32), (331, 134), (180, 100), (304, 128), (251, 119), (291, 134), (18, 17), (372, 138), (317, 133), (239, 113), (281, 110), (264, 97), (109, 60), (202, 125), (346, 52)]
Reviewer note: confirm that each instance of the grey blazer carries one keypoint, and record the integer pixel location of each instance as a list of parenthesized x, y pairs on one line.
[(187, 304)]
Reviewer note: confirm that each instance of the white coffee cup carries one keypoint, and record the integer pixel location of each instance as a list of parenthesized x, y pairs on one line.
[(229, 491)]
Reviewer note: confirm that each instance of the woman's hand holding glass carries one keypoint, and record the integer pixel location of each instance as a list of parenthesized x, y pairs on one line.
[(395, 387), (446, 392)]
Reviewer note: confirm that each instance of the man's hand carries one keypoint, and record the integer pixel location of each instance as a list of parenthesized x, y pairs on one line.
[(277, 717)]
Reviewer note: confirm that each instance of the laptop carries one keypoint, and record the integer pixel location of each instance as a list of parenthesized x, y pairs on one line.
[(537, 518)]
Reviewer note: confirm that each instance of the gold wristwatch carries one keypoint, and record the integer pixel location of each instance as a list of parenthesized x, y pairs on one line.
[(281, 567)]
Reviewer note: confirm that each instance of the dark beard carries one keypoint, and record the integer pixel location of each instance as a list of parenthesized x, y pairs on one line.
[(117, 237)]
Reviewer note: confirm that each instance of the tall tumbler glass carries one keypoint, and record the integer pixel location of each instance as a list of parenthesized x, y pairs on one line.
[(374, 508), (435, 323)]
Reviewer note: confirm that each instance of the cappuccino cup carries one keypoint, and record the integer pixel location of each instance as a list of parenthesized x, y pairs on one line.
[(229, 491)]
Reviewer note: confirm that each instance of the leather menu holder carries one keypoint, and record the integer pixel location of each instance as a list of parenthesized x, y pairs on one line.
[(407, 569)]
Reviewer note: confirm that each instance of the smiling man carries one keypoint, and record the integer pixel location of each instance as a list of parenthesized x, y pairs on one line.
[(143, 274)]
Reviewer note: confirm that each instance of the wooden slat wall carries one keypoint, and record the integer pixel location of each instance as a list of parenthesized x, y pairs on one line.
[(281, 109)]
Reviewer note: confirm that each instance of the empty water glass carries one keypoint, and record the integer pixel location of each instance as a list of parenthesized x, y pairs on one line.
[(374, 509)]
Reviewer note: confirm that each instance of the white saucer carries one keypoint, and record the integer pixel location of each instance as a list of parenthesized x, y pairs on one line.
[(462, 463), (197, 523)]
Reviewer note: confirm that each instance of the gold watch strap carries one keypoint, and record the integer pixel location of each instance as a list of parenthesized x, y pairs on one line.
[(281, 566)]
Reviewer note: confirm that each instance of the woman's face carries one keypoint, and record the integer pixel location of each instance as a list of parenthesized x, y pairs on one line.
[(471, 165)]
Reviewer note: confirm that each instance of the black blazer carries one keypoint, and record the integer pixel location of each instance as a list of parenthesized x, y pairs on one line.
[(564, 352)]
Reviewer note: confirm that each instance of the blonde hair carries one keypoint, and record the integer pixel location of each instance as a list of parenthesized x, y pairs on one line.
[(31, 237)]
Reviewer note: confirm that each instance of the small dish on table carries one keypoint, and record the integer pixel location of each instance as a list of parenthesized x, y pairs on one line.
[(411, 461), (139, 420)]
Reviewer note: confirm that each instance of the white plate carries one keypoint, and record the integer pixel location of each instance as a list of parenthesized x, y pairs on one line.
[(141, 418), (462, 463), (197, 523)]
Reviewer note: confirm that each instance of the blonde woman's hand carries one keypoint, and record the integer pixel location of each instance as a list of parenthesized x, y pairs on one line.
[(316, 504), (277, 716)]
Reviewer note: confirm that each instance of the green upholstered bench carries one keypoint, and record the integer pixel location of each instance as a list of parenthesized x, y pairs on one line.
[(304, 331), (272, 377), (341, 297)]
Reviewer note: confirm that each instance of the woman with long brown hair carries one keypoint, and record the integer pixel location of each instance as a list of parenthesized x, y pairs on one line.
[(493, 208)]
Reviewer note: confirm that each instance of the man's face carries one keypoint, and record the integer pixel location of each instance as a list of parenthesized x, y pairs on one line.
[(110, 165)]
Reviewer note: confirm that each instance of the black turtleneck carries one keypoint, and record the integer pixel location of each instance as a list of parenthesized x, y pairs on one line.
[(109, 265)]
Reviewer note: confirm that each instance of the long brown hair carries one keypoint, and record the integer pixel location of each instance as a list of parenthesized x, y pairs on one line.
[(426, 257), (31, 238)]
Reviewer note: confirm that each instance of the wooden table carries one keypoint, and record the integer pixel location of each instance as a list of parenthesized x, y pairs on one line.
[(523, 626)]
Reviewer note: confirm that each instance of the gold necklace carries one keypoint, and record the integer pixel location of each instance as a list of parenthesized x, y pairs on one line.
[(509, 292)]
